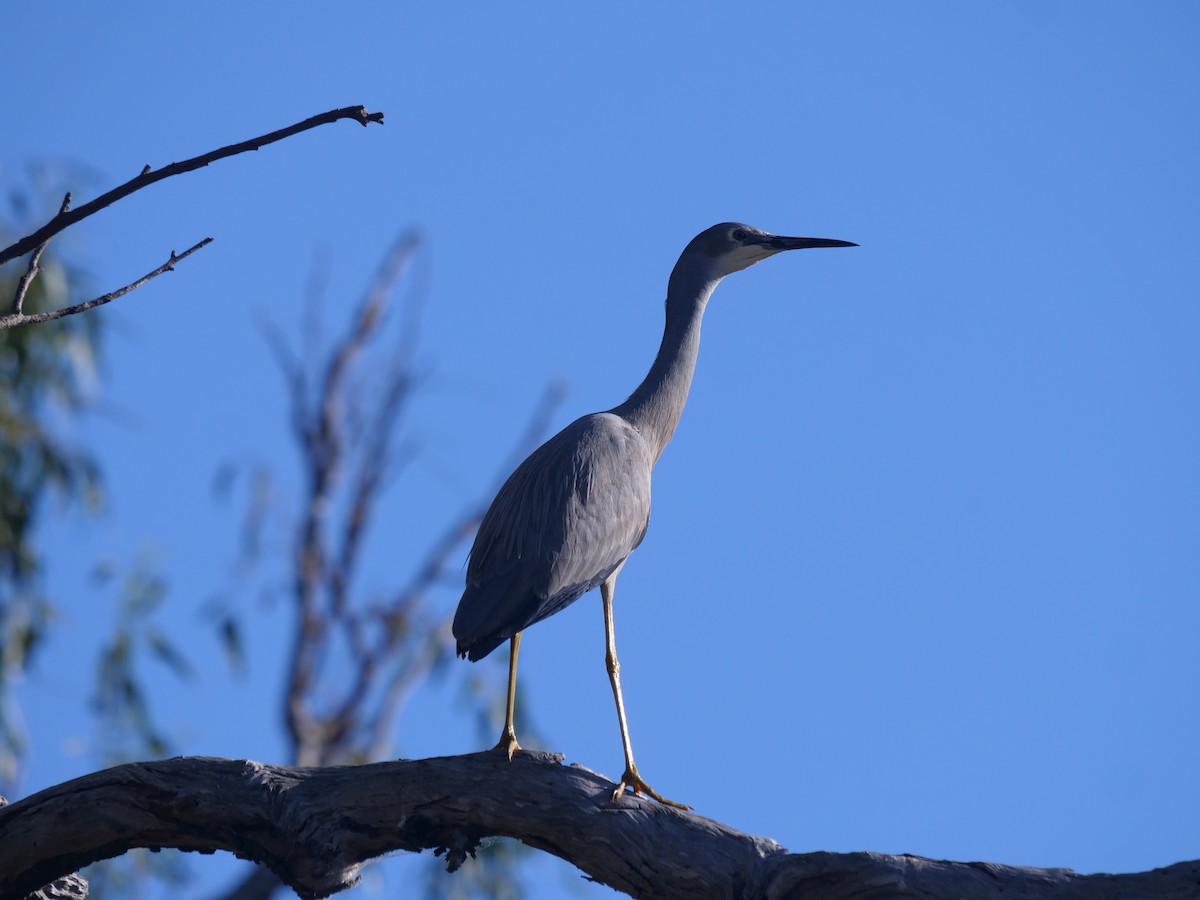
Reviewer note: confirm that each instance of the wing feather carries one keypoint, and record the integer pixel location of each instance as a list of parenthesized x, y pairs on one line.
[(563, 522)]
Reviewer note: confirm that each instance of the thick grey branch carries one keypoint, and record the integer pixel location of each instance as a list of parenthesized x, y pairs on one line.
[(149, 176), (314, 828), (69, 887)]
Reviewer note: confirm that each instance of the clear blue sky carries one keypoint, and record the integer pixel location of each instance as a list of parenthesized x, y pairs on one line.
[(922, 571)]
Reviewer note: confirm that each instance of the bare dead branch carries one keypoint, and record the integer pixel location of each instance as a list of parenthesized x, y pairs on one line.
[(12, 321), (373, 462), (69, 887), (315, 828), (324, 564), (149, 176), (364, 326), (34, 268)]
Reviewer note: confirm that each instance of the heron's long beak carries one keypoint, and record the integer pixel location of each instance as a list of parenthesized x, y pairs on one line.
[(776, 242)]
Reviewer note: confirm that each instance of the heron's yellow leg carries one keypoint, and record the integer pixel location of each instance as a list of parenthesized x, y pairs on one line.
[(631, 779), (508, 737)]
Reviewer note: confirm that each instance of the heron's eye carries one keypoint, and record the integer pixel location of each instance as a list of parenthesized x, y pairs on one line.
[(739, 234)]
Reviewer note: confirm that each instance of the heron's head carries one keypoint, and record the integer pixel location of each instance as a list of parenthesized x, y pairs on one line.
[(732, 246)]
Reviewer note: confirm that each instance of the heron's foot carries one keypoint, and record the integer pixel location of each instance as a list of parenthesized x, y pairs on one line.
[(632, 780), (508, 743)]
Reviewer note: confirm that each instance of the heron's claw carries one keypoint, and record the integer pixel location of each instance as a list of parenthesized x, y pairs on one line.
[(508, 743), (632, 780)]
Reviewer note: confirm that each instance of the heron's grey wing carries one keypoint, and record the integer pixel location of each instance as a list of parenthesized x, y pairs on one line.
[(608, 509), (562, 523)]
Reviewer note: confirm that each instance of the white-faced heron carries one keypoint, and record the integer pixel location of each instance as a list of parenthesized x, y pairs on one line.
[(567, 519)]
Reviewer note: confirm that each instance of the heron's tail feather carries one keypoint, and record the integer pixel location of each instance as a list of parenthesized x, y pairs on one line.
[(490, 613)]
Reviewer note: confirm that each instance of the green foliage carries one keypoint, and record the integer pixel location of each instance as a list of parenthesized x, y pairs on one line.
[(126, 727), (388, 645), (129, 664), (47, 375)]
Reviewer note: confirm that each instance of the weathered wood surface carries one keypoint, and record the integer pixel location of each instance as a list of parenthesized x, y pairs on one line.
[(314, 828)]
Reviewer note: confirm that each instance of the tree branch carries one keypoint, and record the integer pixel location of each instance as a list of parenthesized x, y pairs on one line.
[(314, 828), (348, 451), (34, 269), (322, 569), (18, 318), (148, 176), (69, 887)]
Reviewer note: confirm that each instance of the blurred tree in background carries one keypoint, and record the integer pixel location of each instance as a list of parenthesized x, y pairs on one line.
[(49, 377), (354, 660)]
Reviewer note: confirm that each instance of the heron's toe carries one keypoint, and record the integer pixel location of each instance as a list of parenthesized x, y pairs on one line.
[(508, 743), (632, 780)]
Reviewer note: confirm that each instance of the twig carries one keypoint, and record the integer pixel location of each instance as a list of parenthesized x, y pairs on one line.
[(34, 265), (324, 563), (149, 176), (12, 321), (378, 442)]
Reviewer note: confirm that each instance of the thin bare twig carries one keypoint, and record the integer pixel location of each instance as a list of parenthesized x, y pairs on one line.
[(378, 442), (34, 268), (12, 321), (320, 431), (320, 568), (149, 176)]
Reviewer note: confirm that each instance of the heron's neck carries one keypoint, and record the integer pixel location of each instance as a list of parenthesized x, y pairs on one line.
[(655, 407)]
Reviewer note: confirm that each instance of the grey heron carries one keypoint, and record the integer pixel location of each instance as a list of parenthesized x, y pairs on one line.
[(569, 516)]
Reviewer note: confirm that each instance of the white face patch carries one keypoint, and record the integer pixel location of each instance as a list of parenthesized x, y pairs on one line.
[(744, 256)]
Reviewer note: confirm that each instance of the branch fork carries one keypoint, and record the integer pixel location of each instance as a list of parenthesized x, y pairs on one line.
[(36, 242)]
